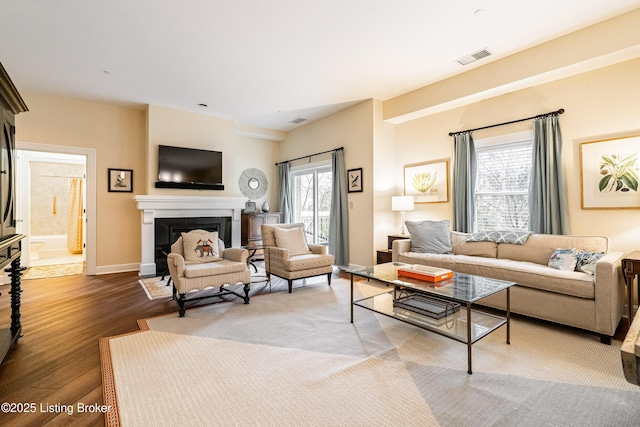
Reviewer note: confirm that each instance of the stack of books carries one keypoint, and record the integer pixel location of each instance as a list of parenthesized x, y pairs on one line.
[(424, 272)]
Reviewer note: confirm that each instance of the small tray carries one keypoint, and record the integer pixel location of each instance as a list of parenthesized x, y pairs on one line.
[(428, 306)]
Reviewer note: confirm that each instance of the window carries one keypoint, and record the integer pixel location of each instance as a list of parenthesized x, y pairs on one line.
[(312, 200), (502, 183)]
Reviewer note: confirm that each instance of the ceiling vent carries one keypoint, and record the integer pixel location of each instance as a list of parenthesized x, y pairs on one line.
[(468, 59), (298, 120)]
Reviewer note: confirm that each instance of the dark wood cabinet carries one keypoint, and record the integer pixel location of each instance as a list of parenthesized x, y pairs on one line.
[(10, 243), (251, 223)]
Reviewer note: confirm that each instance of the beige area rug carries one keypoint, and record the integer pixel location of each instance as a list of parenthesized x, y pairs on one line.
[(58, 270), (156, 287), (295, 359)]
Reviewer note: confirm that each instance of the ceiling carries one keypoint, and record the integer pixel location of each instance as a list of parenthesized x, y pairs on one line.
[(266, 64)]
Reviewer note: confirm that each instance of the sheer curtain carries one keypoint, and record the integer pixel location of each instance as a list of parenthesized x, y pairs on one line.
[(339, 215), (285, 201), (548, 202), (464, 181)]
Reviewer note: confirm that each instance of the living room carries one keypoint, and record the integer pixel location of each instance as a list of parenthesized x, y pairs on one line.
[(597, 87)]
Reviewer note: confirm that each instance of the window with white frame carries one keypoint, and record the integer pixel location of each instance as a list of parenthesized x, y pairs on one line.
[(312, 185), (502, 182)]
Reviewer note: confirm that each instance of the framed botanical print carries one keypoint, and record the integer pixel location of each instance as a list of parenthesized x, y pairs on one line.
[(354, 180), (427, 182), (610, 172)]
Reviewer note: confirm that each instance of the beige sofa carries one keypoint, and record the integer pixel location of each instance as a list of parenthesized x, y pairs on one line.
[(591, 302)]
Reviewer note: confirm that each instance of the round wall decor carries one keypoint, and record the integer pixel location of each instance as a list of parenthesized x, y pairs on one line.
[(252, 183)]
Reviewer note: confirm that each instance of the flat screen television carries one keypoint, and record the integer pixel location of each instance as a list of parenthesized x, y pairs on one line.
[(180, 167)]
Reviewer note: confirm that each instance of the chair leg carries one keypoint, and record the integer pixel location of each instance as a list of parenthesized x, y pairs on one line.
[(290, 285), (246, 293), (181, 301), (329, 278)]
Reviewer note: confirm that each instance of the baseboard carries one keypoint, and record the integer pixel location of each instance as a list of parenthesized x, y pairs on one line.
[(119, 268)]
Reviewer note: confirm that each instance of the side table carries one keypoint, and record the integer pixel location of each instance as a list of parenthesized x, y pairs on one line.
[(383, 256), (631, 268)]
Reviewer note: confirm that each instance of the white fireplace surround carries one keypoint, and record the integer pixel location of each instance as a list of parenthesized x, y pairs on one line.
[(153, 207)]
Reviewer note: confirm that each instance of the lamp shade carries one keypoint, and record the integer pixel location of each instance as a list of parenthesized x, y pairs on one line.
[(402, 203)]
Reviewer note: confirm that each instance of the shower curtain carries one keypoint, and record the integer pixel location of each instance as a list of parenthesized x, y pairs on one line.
[(74, 227)]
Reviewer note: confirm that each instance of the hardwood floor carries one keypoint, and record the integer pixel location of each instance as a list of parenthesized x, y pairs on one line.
[(57, 361)]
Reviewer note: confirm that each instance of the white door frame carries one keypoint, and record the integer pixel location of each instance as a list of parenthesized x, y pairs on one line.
[(90, 153)]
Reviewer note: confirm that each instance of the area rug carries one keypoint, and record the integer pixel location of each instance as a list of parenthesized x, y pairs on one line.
[(156, 287), (295, 359), (58, 270)]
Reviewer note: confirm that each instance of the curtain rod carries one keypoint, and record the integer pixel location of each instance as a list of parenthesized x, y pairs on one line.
[(311, 155), (539, 116)]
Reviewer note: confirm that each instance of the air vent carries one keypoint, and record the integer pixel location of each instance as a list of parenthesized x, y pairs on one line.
[(468, 59), (298, 120)]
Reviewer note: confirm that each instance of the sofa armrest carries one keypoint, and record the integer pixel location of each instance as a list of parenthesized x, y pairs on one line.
[(176, 264), (609, 292), (318, 249), (236, 254), (399, 246)]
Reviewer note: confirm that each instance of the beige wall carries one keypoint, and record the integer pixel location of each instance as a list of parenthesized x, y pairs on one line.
[(600, 103), (352, 129), (183, 129), (118, 136)]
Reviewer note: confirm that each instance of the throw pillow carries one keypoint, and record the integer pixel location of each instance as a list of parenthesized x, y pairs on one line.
[(291, 239), (586, 261), (200, 247), (497, 236), (563, 259), (432, 237)]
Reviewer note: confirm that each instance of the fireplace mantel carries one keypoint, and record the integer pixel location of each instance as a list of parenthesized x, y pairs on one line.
[(153, 207)]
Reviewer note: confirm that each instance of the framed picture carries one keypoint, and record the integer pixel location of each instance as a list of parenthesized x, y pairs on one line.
[(609, 173), (354, 180), (121, 180), (427, 182)]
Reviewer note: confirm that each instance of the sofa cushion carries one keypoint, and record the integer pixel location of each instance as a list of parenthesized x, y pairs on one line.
[(291, 239), (539, 247), (526, 274), (200, 247), (461, 246), (430, 236)]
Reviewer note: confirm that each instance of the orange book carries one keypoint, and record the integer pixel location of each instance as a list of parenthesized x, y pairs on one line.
[(424, 272)]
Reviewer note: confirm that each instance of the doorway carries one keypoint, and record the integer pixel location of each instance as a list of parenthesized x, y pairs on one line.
[(55, 204)]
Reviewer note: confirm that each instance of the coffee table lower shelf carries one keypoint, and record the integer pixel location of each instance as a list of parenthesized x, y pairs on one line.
[(466, 326)]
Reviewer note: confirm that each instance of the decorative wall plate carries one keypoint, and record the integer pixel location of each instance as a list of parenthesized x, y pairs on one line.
[(253, 183)]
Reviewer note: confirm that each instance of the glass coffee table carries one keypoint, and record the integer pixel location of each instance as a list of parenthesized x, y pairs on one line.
[(465, 325)]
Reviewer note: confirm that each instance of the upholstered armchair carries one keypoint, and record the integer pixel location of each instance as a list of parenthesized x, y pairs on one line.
[(199, 261), (289, 256)]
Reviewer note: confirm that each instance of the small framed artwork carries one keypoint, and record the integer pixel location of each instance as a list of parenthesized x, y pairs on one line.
[(354, 180), (250, 207), (610, 172), (121, 180), (427, 182)]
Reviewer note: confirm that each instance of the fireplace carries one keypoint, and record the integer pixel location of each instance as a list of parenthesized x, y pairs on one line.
[(167, 231), (220, 214)]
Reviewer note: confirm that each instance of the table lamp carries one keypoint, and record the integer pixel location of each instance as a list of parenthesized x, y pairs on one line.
[(402, 204)]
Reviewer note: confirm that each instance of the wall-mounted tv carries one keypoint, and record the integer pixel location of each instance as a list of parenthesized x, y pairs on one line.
[(180, 167)]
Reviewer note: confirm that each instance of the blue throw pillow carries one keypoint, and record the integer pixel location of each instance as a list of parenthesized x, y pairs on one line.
[(432, 237)]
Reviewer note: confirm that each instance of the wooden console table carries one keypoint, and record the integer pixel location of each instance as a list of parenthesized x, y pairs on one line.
[(631, 268)]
